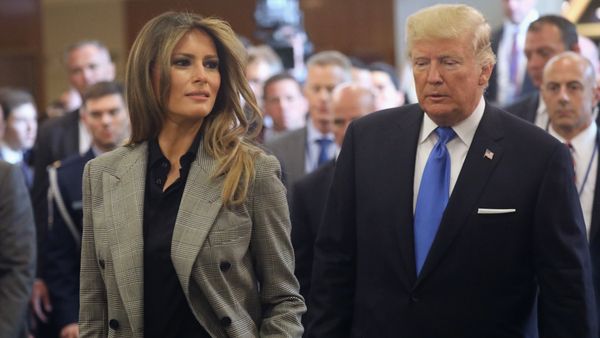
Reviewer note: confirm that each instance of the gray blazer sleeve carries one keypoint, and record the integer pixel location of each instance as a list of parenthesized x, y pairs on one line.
[(17, 251)]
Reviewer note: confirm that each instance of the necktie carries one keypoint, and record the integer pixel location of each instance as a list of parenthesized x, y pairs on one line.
[(571, 152), (514, 62), (324, 144), (434, 191)]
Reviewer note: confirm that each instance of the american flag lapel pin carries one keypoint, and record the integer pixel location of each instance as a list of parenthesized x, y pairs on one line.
[(488, 154)]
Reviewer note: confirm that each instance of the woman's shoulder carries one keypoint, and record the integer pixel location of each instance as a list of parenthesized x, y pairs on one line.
[(111, 161), (266, 165)]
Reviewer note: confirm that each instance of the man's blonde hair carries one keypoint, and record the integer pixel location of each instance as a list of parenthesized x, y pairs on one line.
[(451, 22)]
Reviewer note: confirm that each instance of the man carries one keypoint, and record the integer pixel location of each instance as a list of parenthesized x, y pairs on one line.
[(349, 102), (87, 62), (262, 63), (302, 151), (386, 84), (285, 104), (17, 251), (451, 218), (19, 130), (105, 115), (547, 36), (568, 89), (509, 80)]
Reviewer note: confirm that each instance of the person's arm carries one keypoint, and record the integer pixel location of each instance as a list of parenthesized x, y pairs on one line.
[(93, 307), (333, 275), (61, 275), (302, 239), (273, 254), (566, 306), (17, 252)]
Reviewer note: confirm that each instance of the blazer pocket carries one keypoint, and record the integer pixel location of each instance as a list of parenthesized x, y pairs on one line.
[(490, 211), (230, 235)]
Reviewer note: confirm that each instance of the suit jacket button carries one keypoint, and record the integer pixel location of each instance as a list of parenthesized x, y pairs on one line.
[(225, 321), (101, 262), (224, 266), (113, 324)]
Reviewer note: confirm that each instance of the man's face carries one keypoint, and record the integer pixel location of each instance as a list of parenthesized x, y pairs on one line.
[(517, 10), (541, 46), (448, 79), (257, 73), (347, 107), (569, 96), (286, 105), (88, 65), (320, 82), (107, 120), (387, 96), (21, 127)]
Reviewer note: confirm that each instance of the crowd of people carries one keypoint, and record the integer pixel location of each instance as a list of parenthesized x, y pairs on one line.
[(216, 193)]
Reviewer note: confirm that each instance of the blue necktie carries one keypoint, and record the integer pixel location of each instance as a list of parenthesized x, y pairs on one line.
[(433, 195), (324, 144)]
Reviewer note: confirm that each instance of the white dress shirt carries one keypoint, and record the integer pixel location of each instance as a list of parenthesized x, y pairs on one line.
[(85, 139), (313, 149), (457, 147), (9, 155), (585, 158), (541, 115)]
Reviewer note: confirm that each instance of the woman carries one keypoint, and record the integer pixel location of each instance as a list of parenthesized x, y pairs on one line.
[(186, 229)]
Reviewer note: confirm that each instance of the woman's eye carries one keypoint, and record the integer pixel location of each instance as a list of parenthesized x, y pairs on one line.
[(211, 64), (181, 62)]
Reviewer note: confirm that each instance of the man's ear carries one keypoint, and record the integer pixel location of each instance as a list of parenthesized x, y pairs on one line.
[(486, 72)]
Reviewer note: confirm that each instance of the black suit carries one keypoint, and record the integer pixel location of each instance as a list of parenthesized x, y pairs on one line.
[(594, 229), (62, 250), (307, 207), (491, 92), (483, 270)]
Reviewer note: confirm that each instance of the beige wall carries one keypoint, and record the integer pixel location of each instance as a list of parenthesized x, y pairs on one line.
[(67, 21)]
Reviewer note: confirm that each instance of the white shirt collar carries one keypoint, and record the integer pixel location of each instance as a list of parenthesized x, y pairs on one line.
[(509, 26), (465, 129), (9, 155), (582, 143), (313, 134)]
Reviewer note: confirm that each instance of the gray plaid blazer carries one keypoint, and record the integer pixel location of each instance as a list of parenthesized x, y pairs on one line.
[(256, 297)]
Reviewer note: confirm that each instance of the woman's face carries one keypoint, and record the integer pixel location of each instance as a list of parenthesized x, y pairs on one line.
[(195, 78)]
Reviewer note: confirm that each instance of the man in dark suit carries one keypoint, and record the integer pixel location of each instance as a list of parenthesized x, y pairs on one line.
[(17, 251), (105, 115), (509, 79), (451, 218), (349, 102), (568, 89), (547, 36), (87, 62), (301, 151)]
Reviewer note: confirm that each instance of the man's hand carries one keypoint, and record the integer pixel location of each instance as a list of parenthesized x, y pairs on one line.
[(40, 300), (70, 331)]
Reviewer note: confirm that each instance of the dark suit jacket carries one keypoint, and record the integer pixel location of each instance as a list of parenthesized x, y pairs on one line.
[(308, 204), (57, 139), (594, 237), (491, 92), (483, 270), (17, 251), (62, 252)]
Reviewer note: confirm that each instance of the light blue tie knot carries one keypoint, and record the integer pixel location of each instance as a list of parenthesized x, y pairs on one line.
[(434, 192)]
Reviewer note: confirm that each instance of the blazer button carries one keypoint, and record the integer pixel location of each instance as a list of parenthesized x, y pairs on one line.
[(225, 321), (224, 266), (113, 324), (101, 262)]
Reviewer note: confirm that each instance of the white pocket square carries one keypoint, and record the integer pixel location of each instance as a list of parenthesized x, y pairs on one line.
[(485, 211)]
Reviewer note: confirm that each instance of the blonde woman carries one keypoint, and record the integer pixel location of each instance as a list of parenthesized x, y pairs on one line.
[(186, 228)]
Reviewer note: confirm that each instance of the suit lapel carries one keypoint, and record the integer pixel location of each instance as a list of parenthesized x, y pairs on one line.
[(125, 192), (403, 144), (469, 186), (596, 204), (200, 204)]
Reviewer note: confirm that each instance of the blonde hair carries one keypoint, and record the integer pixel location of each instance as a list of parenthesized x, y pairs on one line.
[(227, 133), (452, 22)]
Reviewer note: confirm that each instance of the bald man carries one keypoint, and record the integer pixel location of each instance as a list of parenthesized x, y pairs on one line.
[(349, 102), (568, 89)]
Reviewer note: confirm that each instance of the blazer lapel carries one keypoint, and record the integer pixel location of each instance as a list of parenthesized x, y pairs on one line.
[(470, 183), (125, 192), (596, 204), (403, 144), (199, 207)]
